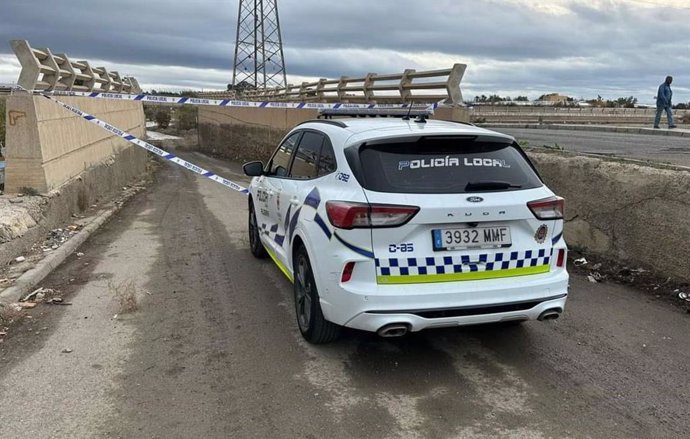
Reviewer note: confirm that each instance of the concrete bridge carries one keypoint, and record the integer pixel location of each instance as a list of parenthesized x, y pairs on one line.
[(52, 151)]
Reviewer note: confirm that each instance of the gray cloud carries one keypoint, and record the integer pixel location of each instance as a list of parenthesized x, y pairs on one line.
[(614, 49)]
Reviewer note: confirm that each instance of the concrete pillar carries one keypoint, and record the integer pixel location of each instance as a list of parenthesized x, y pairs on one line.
[(31, 67), (24, 159), (367, 87), (453, 85), (405, 80)]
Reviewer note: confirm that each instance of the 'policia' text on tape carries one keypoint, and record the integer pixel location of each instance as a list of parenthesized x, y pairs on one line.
[(233, 102)]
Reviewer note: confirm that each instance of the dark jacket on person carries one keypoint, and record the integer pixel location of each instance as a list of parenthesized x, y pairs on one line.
[(663, 96)]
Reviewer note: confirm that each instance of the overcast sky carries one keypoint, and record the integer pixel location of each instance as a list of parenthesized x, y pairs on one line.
[(582, 48)]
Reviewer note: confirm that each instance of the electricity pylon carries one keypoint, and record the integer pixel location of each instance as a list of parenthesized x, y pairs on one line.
[(259, 61)]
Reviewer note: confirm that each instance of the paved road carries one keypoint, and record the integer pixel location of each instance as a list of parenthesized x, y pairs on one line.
[(213, 350), (667, 149)]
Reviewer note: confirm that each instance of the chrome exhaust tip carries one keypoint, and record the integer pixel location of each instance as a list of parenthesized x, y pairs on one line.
[(549, 314), (393, 330)]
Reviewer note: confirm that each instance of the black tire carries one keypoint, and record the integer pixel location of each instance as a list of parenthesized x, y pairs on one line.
[(255, 245), (313, 326)]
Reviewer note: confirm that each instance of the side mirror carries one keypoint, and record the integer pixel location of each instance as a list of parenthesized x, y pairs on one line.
[(253, 169)]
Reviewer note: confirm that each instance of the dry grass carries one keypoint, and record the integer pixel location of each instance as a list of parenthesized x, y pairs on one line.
[(126, 295), (686, 118)]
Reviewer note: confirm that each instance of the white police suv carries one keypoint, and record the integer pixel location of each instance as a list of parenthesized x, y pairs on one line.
[(392, 225)]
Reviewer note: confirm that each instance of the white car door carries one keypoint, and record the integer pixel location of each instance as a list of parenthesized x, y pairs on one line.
[(269, 215), (293, 195)]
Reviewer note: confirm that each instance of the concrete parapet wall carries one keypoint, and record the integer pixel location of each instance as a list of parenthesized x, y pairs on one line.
[(531, 114), (47, 145), (622, 210)]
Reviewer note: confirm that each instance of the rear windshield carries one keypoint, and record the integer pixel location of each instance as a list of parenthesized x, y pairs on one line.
[(443, 165)]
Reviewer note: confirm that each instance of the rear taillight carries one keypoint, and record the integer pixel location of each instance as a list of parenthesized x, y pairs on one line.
[(348, 215), (552, 208), (347, 272), (560, 262)]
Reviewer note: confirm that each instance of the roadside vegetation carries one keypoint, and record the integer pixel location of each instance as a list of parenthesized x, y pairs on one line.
[(182, 118), (556, 100), (163, 117), (125, 295)]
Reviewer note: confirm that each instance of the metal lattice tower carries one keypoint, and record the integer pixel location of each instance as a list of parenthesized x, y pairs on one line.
[(259, 60)]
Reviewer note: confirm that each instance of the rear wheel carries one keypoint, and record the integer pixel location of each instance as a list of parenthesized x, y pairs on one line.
[(255, 245), (313, 326)]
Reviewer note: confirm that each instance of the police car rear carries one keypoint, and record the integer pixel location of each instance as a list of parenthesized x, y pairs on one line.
[(463, 231)]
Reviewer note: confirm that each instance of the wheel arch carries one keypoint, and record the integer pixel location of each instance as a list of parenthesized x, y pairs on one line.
[(300, 240)]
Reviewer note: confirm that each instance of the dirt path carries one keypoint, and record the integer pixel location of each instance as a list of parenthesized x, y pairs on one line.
[(213, 350)]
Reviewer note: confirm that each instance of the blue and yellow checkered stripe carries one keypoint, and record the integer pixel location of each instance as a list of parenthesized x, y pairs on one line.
[(462, 267), (272, 233)]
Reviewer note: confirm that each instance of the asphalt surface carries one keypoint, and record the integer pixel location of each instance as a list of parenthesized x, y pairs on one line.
[(665, 149), (213, 350)]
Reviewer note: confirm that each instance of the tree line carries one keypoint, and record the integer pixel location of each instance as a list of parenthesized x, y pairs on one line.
[(622, 102)]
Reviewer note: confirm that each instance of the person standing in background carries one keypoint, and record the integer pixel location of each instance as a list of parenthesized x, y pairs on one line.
[(663, 103)]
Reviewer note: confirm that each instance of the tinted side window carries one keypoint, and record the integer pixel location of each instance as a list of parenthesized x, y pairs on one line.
[(327, 162), (445, 165), (281, 158), (306, 159)]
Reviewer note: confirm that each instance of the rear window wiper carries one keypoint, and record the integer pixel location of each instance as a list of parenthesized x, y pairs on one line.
[(492, 185)]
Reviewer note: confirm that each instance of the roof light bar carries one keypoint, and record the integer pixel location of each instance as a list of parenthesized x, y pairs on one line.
[(415, 110)]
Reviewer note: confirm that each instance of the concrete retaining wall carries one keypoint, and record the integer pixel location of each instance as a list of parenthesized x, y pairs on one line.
[(244, 134), (24, 224), (639, 214), (47, 145), (497, 114)]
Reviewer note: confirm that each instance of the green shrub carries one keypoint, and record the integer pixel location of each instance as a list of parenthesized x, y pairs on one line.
[(150, 112), (187, 117), (163, 117)]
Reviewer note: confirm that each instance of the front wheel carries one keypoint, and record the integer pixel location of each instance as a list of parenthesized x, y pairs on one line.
[(313, 326), (255, 245)]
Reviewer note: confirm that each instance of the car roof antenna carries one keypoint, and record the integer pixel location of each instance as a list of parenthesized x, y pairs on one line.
[(409, 110)]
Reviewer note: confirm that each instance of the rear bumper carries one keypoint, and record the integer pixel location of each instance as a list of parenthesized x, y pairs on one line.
[(372, 321), (447, 304)]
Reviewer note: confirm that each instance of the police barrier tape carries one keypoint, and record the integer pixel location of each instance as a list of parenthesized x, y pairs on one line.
[(234, 102), (159, 152)]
